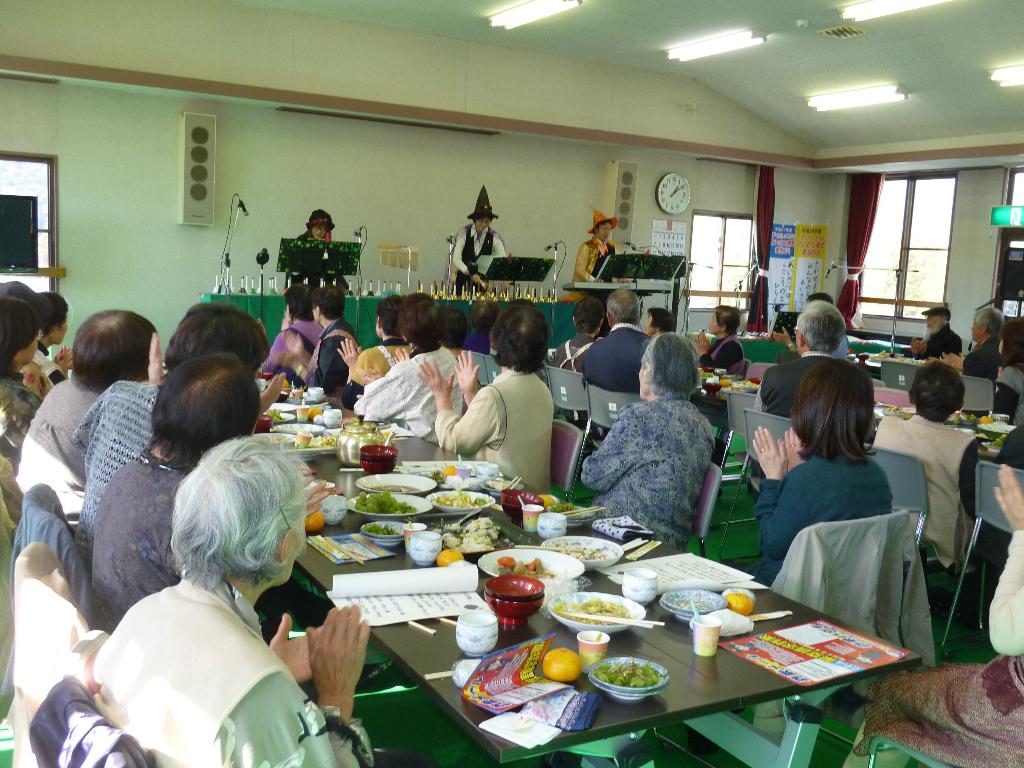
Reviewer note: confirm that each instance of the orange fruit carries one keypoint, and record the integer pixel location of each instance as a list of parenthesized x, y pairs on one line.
[(314, 412), (449, 471), (740, 602), (562, 665), (448, 556), (315, 522), (548, 500), (726, 383)]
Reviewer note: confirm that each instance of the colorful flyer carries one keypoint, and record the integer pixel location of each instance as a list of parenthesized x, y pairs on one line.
[(509, 678), (347, 548), (813, 653)]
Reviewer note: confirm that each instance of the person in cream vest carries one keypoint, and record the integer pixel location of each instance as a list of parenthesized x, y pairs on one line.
[(509, 421), (949, 457), (187, 672)]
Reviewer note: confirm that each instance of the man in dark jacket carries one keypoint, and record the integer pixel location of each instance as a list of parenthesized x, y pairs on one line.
[(613, 363), (819, 330), (939, 337), (983, 360)]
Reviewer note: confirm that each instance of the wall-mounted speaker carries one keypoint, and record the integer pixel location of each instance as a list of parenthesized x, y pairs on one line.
[(620, 194), (198, 153)]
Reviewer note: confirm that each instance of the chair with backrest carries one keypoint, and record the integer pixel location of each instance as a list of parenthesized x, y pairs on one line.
[(743, 371), (908, 483), (877, 554), (736, 402), (492, 368), (566, 449), (882, 744), (705, 507), (776, 426), (979, 394), (897, 375), (567, 389), (603, 406), (756, 370), (898, 398), (986, 510), (480, 361)]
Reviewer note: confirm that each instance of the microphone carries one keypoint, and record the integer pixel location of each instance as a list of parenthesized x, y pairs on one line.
[(450, 239), (262, 257), (552, 246), (241, 204), (831, 267)]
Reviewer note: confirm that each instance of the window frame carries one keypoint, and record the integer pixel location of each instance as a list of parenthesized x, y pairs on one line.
[(905, 249), (743, 301), (52, 261), (1016, 174)]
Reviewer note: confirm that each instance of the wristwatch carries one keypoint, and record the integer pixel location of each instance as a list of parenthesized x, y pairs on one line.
[(335, 725)]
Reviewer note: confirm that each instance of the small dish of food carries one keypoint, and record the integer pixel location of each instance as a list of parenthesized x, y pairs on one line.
[(589, 550), (575, 604), (628, 679), (459, 502), (387, 506)]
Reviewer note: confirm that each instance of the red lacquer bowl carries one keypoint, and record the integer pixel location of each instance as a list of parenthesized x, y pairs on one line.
[(512, 502), (378, 459), (514, 598)]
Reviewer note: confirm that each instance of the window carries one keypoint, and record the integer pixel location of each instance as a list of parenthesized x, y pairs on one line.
[(1017, 187), (32, 176), (720, 252), (911, 234)]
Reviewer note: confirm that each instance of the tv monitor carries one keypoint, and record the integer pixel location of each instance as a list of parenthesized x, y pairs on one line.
[(19, 241)]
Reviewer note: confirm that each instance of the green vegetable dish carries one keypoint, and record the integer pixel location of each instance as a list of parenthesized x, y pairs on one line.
[(381, 529), (631, 675), (382, 504)]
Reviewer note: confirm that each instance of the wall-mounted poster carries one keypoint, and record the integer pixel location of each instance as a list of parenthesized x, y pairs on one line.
[(796, 266)]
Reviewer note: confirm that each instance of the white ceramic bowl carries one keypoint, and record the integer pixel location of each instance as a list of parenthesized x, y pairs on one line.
[(396, 483), (419, 504), (611, 550), (573, 600), (625, 693), (481, 500), (563, 566)]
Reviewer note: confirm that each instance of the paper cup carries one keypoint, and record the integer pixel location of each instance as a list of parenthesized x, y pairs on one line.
[(302, 414), (706, 631), (409, 529), (531, 514), (593, 647)]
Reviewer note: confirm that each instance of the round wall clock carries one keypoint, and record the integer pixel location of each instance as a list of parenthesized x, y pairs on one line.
[(673, 193)]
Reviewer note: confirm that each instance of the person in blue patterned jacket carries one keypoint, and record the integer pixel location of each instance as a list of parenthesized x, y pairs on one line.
[(651, 466)]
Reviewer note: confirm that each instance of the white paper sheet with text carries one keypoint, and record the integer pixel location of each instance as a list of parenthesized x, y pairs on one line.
[(686, 571), (381, 610)]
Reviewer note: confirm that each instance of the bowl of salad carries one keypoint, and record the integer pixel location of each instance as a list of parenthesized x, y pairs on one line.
[(628, 678), (388, 506), (459, 502)]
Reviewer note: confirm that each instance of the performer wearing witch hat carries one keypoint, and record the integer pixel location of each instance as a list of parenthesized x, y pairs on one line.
[(594, 251), (473, 241), (318, 227)]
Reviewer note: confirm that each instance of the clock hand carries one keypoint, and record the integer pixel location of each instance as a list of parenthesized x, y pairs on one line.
[(676, 190)]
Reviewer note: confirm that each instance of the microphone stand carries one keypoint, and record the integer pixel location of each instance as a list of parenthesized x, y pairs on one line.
[(554, 280), (448, 282), (225, 257), (898, 271)]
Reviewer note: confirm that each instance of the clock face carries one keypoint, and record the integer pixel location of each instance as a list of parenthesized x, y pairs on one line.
[(673, 193)]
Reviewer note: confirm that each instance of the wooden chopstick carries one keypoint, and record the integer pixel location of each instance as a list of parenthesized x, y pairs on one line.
[(645, 623), (512, 483), (584, 510), (421, 628), (438, 675), (446, 620)]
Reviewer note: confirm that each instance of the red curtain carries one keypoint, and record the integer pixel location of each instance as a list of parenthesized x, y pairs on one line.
[(865, 189), (764, 215)]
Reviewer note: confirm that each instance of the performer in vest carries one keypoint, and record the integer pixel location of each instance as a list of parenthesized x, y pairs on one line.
[(473, 241), (594, 251), (319, 227)]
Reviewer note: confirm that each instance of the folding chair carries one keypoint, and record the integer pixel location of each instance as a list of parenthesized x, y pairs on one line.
[(776, 426), (979, 394), (882, 744), (480, 360), (603, 406), (742, 373), (756, 370), (705, 507), (908, 483), (492, 368), (566, 450), (897, 375), (986, 510), (898, 398)]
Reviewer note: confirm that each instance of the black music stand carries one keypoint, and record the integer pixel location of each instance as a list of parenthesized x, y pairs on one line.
[(640, 266), (318, 258), (519, 270)]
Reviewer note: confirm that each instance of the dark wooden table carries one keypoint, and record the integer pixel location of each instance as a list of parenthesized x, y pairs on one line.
[(699, 686)]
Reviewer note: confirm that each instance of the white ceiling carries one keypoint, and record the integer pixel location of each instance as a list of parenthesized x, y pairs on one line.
[(941, 55)]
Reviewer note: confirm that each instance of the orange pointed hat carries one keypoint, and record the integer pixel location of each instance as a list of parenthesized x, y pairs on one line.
[(600, 218)]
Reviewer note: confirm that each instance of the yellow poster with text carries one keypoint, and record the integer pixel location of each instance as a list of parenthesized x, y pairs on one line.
[(810, 242)]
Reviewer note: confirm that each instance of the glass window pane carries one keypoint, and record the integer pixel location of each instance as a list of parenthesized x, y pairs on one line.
[(28, 177), (1018, 188), (706, 249), (43, 249), (933, 213), (926, 279), (884, 247), (737, 242), (37, 284)]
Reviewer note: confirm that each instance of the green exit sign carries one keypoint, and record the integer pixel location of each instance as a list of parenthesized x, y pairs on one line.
[(1008, 216)]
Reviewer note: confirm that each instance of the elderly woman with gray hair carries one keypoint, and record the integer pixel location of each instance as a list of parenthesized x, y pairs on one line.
[(651, 466), (187, 672)]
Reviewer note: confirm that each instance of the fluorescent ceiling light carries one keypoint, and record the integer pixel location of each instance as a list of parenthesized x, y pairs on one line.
[(713, 45), (872, 9), (862, 97), (1009, 76), (532, 11)]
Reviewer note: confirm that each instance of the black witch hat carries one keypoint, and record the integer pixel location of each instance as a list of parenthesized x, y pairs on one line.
[(483, 207)]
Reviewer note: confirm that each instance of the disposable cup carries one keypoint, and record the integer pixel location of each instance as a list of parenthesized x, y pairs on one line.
[(706, 631), (593, 647)]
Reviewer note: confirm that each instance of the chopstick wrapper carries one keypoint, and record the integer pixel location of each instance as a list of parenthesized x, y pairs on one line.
[(412, 581), (733, 623), (623, 528), (567, 709)]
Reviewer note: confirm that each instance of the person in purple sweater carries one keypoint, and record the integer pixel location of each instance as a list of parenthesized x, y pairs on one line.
[(298, 318), (481, 319)]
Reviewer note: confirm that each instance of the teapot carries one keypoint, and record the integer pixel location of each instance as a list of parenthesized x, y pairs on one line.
[(353, 436)]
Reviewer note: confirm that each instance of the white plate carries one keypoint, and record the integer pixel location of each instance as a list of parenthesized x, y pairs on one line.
[(287, 442), (411, 484), (298, 429), (563, 566), (282, 407), (636, 611), (483, 497), (282, 417), (998, 427), (613, 551), (418, 503)]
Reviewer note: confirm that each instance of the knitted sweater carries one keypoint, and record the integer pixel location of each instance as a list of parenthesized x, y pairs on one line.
[(115, 430)]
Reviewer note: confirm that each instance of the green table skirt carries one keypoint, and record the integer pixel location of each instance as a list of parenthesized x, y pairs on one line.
[(765, 350), (362, 315)]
